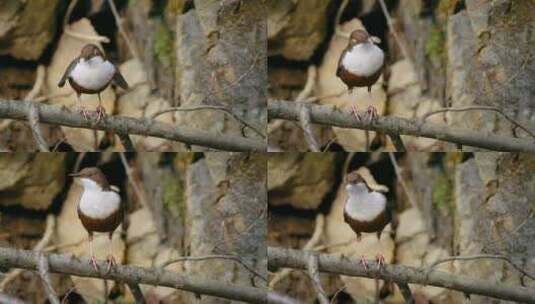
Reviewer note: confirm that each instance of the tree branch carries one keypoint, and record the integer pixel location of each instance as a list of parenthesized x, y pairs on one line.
[(128, 274), (313, 271), (350, 266), (340, 117), (15, 109), (45, 277)]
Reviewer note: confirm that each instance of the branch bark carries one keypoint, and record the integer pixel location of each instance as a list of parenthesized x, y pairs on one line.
[(72, 265), (279, 257), (18, 110), (340, 117)]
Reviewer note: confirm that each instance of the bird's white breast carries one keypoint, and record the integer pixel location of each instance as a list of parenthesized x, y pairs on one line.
[(94, 73), (96, 203), (363, 205), (364, 59)]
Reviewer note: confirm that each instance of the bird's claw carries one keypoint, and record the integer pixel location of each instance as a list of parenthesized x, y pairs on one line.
[(371, 114), (363, 262), (101, 113), (111, 262), (93, 262), (84, 113), (380, 259), (355, 113)]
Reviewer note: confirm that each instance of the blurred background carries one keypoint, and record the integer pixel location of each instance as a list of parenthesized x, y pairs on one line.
[(445, 204), (182, 204)]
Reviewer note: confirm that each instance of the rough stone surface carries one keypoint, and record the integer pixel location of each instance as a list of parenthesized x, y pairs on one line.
[(296, 27), (300, 180), (31, 180), (27, 27)]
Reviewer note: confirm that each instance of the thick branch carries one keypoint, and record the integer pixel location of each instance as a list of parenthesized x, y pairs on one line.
[(131, 275), (341, 117), (14, 109), (278, 257)]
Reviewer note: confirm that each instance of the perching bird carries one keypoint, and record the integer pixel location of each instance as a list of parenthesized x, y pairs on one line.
[(99, 208), (366, 209), (91, 73), (361, 65)]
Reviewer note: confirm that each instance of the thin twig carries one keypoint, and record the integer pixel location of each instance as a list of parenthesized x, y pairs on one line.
[(337, 293), (209, 107), (314, 274), (137, 190), (314, 240), (406, 292), (397, 169), (45, 277), (401, 45), (312, 72), (477, 108), (33, 111), (339, 14), (137, 293), (307, 129), (126, 141), (33, 120), (398, 142), (477, 257), (326, 96), (119, 23), (47, 236), (212, 257), (68, 31)]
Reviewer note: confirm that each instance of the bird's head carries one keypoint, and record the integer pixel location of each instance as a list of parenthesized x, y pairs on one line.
[(361, 36), (90, 50), (91, 177)]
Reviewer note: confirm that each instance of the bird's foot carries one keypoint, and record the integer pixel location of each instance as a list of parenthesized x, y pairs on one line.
[(111, 262), (380, 259), (364, 263), (355, 113), (101, 112), (93, 262), (371, 114), (84, 113)]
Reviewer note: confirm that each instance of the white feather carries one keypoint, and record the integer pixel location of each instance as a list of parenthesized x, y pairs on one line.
[(363, 205), (94, 73), (364, 59), (95, 202)]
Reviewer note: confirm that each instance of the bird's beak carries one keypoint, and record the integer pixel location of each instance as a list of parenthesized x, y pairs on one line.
[(374, 39)]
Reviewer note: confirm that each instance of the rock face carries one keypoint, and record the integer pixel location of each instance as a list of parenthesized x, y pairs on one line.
[(226, 214), (27, 27), (296, 27), (31, 180), (300, 180)]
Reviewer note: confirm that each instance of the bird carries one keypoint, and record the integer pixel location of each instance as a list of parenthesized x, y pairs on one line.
[(366, 209), (99, 208), (91, 73), (360, 65)]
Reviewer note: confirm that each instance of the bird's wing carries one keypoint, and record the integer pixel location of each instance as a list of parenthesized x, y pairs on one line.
[(119, 80), (67, 73), (339, 67)]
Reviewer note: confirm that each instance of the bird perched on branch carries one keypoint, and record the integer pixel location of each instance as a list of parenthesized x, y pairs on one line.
[(366, 208), (99, 208), (361, 65), (91, 73)]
